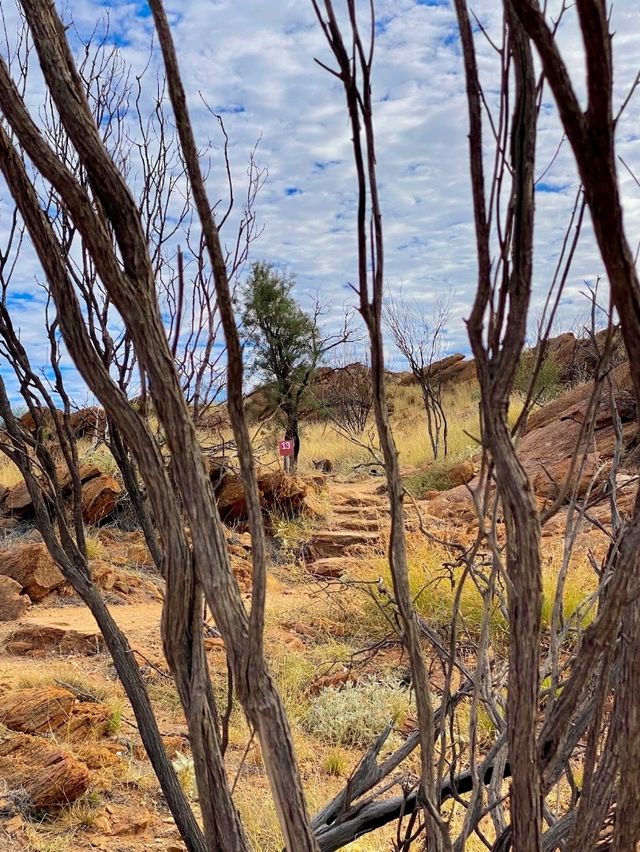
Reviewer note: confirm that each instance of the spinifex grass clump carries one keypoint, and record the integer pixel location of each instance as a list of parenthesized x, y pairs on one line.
[(437, 477)]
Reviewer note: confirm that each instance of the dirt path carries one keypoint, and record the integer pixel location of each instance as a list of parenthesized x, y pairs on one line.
[(353, 505), (139, 621), (131, 618)]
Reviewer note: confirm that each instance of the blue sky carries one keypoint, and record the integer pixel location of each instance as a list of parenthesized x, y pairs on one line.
[(252, 61)]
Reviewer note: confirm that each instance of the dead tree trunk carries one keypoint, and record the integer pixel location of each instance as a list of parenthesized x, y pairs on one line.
[(592, 136), (253, 681), (354, 71), (496, 360)]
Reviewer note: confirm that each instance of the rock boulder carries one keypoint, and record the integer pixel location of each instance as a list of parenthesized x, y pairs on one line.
[(47, 710), (553, 433), (88, 422), (551, 436), (17, 501), (32, 567), (13, 604), (461, 472), (49, 776), (279, 494), (36, 640), (282, 493), (99, 498)]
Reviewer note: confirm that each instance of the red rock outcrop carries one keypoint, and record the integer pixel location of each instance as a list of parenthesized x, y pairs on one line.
[(461, 473), (16, 500), (99, 498), (49, 776), (553, 433), (42, 416), (279, 493), (49, 710), (35, 640), (32, 567), (13, 604), (549, 442), (88, 422), (454, 369)]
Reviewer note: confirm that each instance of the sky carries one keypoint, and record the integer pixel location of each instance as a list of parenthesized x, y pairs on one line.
[(252, 61)]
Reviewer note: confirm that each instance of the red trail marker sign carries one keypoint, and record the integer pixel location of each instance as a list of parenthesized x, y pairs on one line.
[(286, 448)]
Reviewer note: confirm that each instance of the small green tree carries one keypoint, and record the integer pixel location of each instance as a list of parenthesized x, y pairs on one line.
[(283, 342)]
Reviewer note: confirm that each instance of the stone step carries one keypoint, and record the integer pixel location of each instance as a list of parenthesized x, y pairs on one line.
[(349, 499), (356, 523), (367, 512), (332, 567), (342, 542)]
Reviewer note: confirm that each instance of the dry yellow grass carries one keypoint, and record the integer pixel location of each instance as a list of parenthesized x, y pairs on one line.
[(326, 440), (9, 473), (435, 587), (259, 817)]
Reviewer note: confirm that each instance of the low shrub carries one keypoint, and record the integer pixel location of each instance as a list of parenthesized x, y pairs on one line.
[(436, 478), (355, 714)]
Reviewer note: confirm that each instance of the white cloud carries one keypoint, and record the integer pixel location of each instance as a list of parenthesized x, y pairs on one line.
[(253, 61)]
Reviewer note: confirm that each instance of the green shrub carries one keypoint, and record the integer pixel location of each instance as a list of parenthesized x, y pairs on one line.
[(548, 381), (436, 478)]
